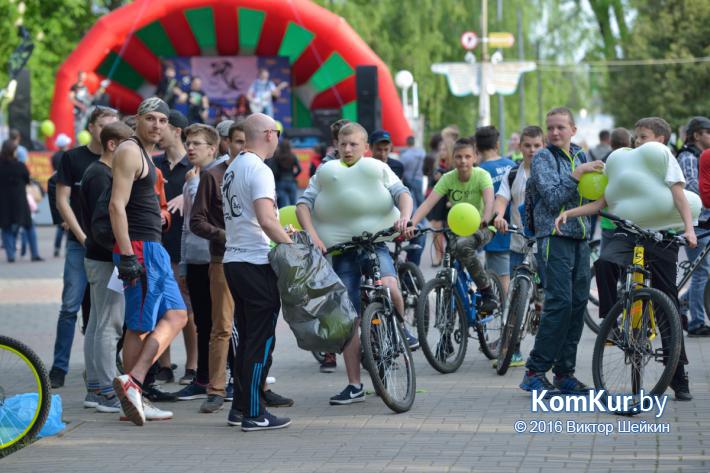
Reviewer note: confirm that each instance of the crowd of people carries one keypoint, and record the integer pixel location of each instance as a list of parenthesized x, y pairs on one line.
[(190, 230)]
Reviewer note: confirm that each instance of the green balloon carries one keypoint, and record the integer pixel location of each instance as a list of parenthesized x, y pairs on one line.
[(47, 128), (287, 216), (592, 185), (464, 219), (84, 137)]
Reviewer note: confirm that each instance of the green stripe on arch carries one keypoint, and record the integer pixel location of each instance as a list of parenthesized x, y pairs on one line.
[(123, 73), (331, 72), (156, 39), (295, 41), (201, 22), (301, 114), (251, 23), (349, 111)]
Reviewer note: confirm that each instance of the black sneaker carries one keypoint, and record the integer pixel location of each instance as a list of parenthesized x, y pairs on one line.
[(165, 375), (570, 385), (488, 302), (329, 364), (153, 393), (229, 392), (235, 418), (348, 395), (679, 384), (271, 399), (213, 403), (267, 421), (56, 378), (702, 331), (188, 378), (191, 391), (538, 382)]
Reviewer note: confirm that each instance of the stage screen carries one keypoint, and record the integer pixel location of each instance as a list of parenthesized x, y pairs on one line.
[(225, 79)]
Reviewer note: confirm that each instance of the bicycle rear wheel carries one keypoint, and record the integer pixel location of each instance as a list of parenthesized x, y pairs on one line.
[(411, 282), (593, 303), (510, 339), (629, 359), (442, 326), (21, 374), (490, 326), (387, 357)]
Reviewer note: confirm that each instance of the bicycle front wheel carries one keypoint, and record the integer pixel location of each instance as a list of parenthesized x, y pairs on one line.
[(442, 326), (638, 348), (490, 326), (387, 357), (510, 339), (23, 383)]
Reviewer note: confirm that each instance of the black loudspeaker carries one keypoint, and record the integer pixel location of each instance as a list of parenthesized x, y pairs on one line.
[(369, 113), (323, 118), (19, 111)]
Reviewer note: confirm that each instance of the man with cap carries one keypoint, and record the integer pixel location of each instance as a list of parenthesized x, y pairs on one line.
[(224, 141), (174, 165), (381, 146), (155, 310), (696, 141)]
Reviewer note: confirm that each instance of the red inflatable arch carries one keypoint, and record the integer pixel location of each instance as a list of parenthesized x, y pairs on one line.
[(322, 48)]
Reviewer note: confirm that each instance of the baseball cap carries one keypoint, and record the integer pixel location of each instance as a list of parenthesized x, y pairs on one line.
[(223, 127), (379, 136), (177, 119), (697, 124)]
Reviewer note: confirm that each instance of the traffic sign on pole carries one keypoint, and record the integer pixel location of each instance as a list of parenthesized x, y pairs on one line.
[(500, 40), (469, 40)]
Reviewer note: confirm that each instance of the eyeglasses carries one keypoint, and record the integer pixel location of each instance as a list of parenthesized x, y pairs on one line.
[(194, 143), (278, 132)]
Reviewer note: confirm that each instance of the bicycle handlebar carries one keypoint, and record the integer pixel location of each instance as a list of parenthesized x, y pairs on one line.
[(643, 233), (363, 240)]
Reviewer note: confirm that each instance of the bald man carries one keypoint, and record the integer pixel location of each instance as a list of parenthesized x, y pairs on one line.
[(251, 222)]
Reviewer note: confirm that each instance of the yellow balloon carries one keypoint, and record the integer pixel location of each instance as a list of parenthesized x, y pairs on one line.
[(47, 128), (287, 216), (279, 126), (592, 185), (84, 137), (464, 219)]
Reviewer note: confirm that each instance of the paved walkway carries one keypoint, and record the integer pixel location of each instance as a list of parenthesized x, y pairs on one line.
[(460, 422)]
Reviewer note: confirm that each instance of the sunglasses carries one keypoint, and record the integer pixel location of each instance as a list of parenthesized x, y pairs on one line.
[(278, 132)]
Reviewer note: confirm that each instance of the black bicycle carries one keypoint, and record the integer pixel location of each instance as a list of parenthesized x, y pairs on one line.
[(411, 281), (385, 350)]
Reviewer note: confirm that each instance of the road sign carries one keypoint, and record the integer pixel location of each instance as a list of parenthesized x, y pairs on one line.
[(469, 40), (500, 40)]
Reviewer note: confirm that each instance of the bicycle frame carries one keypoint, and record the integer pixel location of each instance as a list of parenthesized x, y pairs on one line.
[(689, 267)]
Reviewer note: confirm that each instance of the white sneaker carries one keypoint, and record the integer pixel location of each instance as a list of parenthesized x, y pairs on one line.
[(153, 413), (270, 380), (129, 393)]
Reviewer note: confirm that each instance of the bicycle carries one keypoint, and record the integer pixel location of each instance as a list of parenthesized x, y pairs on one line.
[(448, 307), (411, 281), (627, 357), (523, 306), (385, 351), (21, 373)]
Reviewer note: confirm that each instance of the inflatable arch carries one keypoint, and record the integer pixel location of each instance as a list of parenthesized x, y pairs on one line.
[(323, 51)]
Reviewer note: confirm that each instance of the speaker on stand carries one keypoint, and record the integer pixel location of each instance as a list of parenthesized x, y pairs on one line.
[(369, 113)]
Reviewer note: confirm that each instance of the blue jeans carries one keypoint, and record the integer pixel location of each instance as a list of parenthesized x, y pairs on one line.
[(29, 238), (697, 284), (9, 240), (286, 193), (350, 265), (567, 278), (58, 237), (73, 293)]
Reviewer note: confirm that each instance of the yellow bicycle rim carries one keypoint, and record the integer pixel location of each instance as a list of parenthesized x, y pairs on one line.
[(40, 395)]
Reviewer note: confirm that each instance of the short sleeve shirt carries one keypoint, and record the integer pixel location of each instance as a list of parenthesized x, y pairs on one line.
[(470, 191), (247, 180), (72, 167)]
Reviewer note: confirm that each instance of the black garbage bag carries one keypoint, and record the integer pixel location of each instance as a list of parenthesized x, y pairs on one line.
[(314, 300)]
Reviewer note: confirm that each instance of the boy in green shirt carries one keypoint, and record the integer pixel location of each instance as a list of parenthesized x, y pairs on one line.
[(473, 185)]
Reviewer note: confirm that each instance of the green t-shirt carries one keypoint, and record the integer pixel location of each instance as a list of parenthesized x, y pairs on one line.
[(471, 191)]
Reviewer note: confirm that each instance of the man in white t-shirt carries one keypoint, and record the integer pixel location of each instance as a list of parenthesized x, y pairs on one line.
[(251, 221)]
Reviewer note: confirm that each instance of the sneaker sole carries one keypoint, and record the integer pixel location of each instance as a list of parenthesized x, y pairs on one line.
[(270, 427), (186, 382), (192, 398), (90, 405), (128, 408), (126, 419), (233, 423), (210, 411), (346, 402), (276, 406), (108, 410), (327, 370)]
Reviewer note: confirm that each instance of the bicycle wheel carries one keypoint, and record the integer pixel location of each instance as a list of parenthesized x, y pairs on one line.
[(629, 359), (490, 326), (510, 339), (442, 326), (411, 282), (319, 356), (21, 373), (593, 303), (387, 357)]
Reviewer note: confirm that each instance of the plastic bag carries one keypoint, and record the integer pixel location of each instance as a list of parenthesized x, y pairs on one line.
[(315, 302), (22, 407)]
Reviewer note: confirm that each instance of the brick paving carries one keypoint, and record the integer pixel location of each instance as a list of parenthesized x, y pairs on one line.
[(460, 422)]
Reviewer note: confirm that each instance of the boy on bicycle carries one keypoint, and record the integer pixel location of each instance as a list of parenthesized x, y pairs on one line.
[(473, 185), (661, 258), (344, 198)]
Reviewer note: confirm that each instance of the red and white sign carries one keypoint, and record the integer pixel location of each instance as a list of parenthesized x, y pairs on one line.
[(469, 40)]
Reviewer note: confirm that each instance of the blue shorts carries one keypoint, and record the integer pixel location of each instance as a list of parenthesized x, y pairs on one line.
[(350, 266), (156, 293)]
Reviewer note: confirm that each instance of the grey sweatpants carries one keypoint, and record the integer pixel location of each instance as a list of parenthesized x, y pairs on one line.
[(104, 328)]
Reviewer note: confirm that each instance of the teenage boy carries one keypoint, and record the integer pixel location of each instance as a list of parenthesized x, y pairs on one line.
[(617, 251), (251, 223), (381, 147), (497, 251), (155, 311), (473, 185), (555, 173), (105, 325), (331, 215), (71, 170)]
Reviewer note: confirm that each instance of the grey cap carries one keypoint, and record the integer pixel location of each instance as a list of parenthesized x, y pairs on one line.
[(223, 128), (697, 124)]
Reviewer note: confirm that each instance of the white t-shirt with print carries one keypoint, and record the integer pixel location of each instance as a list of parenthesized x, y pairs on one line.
[(247, 179)]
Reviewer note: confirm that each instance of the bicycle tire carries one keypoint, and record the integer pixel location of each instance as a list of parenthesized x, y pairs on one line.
[(434, 354), (590, 321), (667, 320), (489, 347), (319, 356), (376, 336), (22, 353), (411, 282), (519, 304)]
